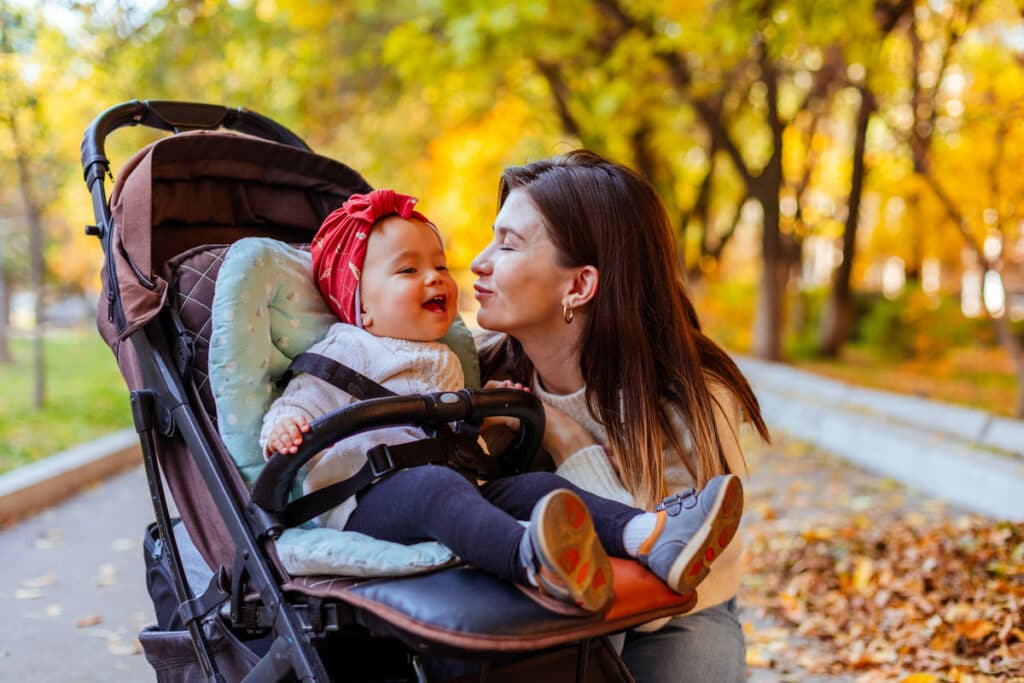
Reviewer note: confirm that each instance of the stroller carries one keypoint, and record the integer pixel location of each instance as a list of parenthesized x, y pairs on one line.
[(176, 207)]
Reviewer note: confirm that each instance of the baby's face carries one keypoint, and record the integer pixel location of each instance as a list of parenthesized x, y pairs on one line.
[(406, 290)]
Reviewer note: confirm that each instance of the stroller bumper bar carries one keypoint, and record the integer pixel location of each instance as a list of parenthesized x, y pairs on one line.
[(272, 487)]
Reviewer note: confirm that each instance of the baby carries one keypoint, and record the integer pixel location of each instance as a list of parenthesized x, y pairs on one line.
[(381, 268)]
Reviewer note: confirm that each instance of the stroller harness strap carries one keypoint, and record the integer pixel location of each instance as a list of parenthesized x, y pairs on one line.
[(381, 460), (355, 384)]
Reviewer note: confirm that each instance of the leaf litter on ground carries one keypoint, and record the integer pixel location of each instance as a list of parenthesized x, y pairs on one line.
[(871, 579)]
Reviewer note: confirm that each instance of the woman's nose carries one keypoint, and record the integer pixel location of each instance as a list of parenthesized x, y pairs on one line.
[(481, 264)]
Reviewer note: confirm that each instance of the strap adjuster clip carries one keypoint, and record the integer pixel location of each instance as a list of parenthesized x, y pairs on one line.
[(381, 461)]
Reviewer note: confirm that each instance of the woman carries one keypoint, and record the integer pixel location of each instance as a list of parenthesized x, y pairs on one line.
[(583, 283)]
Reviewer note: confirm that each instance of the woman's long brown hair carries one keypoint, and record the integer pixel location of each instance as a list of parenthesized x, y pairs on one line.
[(642, 350)]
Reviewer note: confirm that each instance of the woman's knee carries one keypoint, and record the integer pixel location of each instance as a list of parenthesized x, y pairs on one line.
[(706, 646)]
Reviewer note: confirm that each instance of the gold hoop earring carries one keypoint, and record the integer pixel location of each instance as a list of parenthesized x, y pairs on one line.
[(567, 313)]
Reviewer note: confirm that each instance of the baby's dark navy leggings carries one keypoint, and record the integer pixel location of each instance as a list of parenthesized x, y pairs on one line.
[(479, 524)]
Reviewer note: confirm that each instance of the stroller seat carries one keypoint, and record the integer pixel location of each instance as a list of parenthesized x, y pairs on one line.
[(175, 207)]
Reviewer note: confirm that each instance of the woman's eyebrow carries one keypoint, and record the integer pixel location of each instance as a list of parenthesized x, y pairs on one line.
[(501, 231)]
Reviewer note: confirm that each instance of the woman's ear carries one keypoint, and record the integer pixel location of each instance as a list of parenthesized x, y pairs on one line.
[(583, 287)]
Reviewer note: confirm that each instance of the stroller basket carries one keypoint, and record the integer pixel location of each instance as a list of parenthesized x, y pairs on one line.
[(176, 206)]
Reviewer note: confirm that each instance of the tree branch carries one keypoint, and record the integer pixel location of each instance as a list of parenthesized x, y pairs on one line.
[(561, 94), (681, 78)]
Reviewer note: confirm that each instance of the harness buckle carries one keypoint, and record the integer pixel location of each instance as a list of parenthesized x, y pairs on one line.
[(381, 461)]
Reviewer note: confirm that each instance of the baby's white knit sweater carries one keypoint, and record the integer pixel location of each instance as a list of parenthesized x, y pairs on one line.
[(405, 367), (590, 469)]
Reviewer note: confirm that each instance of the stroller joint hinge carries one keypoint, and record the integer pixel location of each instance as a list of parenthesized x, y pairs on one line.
[(216, 594), (264, 524), (183, 351), (319, 616)]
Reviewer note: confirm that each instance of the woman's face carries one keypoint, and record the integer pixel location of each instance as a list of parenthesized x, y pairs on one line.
[(520, 284)]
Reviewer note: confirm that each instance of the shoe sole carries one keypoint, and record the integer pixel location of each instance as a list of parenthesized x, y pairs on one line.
[(568, 547), (723, 520)]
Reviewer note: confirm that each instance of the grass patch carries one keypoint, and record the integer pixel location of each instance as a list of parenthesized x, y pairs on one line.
[(977, 378), (85, 398)]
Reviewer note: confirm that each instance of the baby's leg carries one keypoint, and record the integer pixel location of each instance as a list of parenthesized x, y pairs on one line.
[(436, 503), (517, 495), (558, 552), (678, 543)]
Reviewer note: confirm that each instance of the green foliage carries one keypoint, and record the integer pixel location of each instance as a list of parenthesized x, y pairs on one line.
[(86, 398), (726, 311), (805, 316), (917, 325)]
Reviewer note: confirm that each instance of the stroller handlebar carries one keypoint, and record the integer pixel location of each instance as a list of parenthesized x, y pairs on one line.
[(274, 484), (174, 117)]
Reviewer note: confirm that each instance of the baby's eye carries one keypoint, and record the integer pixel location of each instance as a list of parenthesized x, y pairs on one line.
[(407, 271), (442, 268)]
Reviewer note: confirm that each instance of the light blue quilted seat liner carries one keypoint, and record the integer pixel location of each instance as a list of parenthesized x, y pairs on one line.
[(266, 310)]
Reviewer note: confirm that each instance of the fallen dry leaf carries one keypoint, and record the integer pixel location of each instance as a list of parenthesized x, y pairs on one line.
[(123, 544), (90, 620), (44, 581), (49, 539), (107, 575), (120, 647)]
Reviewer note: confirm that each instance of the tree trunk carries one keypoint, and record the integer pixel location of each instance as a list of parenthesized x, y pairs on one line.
[(37, 263), (1015, 351), (5, 310), (768, 319), (838, 317)]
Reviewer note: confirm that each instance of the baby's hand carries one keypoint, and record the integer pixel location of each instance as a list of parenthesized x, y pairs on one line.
[(505, 384), (510, 422), (286, 435)]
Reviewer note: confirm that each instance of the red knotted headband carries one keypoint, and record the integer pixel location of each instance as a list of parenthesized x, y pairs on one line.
[(339, 247)]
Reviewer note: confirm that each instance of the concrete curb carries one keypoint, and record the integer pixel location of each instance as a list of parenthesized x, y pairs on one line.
[(35, 487), (964, 456)]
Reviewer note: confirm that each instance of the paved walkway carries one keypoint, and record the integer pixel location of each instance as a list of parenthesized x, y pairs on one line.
[(73, 595), (73, 588)]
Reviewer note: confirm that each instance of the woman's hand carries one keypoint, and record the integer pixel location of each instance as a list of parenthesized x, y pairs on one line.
[(286, 435), (563, 435), (510, 422)]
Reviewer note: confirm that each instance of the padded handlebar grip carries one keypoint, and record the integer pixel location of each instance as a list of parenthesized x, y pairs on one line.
[(175, 117), (272, 487)]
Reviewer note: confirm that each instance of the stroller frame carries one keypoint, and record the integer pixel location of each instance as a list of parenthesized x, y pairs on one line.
[(165, 406)]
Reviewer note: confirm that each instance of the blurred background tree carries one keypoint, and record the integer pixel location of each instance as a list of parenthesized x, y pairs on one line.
[(843, 176)]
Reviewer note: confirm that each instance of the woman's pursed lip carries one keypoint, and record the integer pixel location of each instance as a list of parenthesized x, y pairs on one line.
[(480, 291)]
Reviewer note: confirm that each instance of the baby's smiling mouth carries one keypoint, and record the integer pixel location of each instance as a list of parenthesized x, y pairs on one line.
[(438, 304)]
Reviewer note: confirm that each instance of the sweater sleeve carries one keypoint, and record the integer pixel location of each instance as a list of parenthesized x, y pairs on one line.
[(590, 469)]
